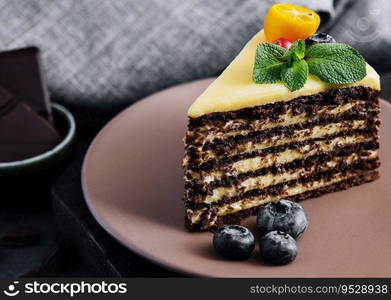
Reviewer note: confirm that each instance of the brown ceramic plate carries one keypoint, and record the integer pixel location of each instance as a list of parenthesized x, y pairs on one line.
[(132, 181)]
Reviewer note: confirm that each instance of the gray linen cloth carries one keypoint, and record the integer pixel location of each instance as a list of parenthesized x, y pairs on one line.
[(99, 56)]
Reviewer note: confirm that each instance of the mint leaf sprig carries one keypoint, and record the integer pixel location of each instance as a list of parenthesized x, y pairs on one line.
[(334, 63)]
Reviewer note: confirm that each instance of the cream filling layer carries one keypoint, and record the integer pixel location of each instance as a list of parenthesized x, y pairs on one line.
[(264, 181), (252, 164), (195, 215), (317, 131), (208, 133), (286, 156), (288, 191)]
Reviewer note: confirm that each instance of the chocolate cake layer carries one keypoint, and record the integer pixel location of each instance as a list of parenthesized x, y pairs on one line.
[(318, 159), (227, 160), (206, 136), (360, 165), (281, 191), (197, 157), (237, 217), (229, 143), (310, 104)]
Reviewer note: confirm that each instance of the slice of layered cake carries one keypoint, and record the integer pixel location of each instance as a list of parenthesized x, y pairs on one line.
[(292, 119)]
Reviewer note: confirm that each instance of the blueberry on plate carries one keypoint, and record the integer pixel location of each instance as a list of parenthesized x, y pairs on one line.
[(278, 247), (282, 215), (234, 242), (319, 38)]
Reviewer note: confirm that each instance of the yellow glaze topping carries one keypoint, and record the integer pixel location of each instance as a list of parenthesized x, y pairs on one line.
[(234, 89)]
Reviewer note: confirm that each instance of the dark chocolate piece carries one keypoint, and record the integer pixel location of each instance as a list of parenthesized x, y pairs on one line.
[(23, 133), (21, 74)]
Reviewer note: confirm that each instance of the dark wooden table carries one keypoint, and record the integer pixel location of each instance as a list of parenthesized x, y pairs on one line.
[(74, 243)]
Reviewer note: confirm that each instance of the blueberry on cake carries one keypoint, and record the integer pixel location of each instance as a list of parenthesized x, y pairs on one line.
[(294, 116)]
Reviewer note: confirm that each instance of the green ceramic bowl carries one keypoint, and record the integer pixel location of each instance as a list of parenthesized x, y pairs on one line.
[(65, 124), (34, 176)]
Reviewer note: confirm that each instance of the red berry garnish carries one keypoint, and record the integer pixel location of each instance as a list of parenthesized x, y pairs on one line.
[(283, 42)]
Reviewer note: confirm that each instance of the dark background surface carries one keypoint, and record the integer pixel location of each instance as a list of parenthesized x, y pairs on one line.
[(101, 57), (68, 241)]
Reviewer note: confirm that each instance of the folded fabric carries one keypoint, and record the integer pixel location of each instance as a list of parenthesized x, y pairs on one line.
[(100, 56)]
